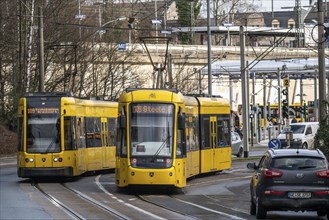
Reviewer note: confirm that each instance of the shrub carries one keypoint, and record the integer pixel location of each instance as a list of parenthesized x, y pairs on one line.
[(8, 141), (321, 140)]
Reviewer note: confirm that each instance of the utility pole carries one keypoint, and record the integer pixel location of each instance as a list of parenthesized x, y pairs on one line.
[(321, 61), (41, 53), (245, 94), (209, 49)]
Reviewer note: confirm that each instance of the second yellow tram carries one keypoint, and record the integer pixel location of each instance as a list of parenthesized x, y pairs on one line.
[(63, 136), (164, 137)]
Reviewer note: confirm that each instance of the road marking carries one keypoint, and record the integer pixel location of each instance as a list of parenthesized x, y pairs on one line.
[(211, 210), (8, 161), (121, 201)]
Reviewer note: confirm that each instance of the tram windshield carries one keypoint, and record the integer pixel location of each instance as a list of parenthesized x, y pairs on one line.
[(152, 130), (43, 129)]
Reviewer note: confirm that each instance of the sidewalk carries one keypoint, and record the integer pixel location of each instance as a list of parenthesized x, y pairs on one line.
[(263, 143)]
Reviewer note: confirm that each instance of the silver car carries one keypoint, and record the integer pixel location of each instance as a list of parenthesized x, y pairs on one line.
[(237, 144)]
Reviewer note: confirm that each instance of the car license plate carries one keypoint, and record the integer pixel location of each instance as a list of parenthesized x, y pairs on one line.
[(299, 195)]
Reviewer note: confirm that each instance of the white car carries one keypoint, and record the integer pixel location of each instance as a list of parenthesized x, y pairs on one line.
[(303, 134), (237, 144)]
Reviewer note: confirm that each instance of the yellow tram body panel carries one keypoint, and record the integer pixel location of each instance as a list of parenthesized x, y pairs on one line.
[(170, 177), (192, 163), (41, 164)]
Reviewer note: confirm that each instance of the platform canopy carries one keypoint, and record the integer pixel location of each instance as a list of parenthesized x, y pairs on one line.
[(294, 68)]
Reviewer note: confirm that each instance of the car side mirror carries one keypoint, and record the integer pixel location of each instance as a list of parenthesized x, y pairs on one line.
[(252, 166)]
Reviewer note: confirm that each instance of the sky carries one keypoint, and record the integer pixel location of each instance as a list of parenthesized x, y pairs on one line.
[(278, 4), (265, 5)]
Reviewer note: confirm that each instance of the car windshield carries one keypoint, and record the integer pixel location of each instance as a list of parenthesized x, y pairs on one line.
[(298, 163), (297, 129)]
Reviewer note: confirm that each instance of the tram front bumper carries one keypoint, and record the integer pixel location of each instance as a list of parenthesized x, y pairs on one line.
[(45, 172), (151, 177)]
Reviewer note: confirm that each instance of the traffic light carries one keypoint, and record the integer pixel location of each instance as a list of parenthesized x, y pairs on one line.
[(285, 109), (304, 110), (285, 91)]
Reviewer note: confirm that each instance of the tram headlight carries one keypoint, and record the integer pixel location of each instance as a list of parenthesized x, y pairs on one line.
[(58, 159), (29, 160)]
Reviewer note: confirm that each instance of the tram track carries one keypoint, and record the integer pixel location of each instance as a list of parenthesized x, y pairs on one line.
[(187, 206), (57, 203), (144, 199), (111, 213)]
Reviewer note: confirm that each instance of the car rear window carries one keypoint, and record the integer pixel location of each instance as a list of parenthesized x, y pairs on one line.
[(298, 163)]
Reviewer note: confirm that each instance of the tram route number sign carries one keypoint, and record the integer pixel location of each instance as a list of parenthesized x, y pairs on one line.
[(286, 82)]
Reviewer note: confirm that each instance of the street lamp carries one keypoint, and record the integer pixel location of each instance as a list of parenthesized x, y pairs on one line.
[(228, 41), (101, 31)]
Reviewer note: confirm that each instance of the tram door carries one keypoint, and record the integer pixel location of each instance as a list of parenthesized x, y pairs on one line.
[(213, 140), (209, 139)]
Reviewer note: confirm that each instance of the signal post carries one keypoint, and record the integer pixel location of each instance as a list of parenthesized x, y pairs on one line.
[(285, 110)]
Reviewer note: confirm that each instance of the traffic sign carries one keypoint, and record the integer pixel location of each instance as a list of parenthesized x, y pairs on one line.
[(274, 143), (122, 46)]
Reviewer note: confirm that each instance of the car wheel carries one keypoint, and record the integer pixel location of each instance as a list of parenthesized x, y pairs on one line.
[(239, 154), (321, 213), (304, 146), (252, 208), (260, 210)]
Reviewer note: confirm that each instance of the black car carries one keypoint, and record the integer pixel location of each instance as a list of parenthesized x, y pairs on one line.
[(290, 179)]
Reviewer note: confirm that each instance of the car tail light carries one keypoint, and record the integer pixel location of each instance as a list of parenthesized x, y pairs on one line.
[(326, 192), (272, 173), (323, 174), (273, 192)]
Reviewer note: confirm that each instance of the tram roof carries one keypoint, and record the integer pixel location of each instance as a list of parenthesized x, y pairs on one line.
[(295, 68)]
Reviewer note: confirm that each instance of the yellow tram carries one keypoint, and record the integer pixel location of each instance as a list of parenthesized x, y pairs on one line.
[(164, 137), (63, 136)]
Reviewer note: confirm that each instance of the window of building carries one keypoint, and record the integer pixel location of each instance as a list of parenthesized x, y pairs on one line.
[(275, 23), (291, 23)]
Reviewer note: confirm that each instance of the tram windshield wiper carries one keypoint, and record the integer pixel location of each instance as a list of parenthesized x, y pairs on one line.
[(155, 156)]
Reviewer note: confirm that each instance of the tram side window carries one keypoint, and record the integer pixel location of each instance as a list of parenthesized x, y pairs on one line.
[(206, 133), (112, 131), (223, 132), (191, 134), (93, 129), (181, 144), (20, 134), (121, 145), (69, 133), (80, 133), (187, 130), (195, 133)]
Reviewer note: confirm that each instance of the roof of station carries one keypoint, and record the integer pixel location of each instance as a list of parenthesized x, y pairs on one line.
[(235, 30), (295, 68)]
